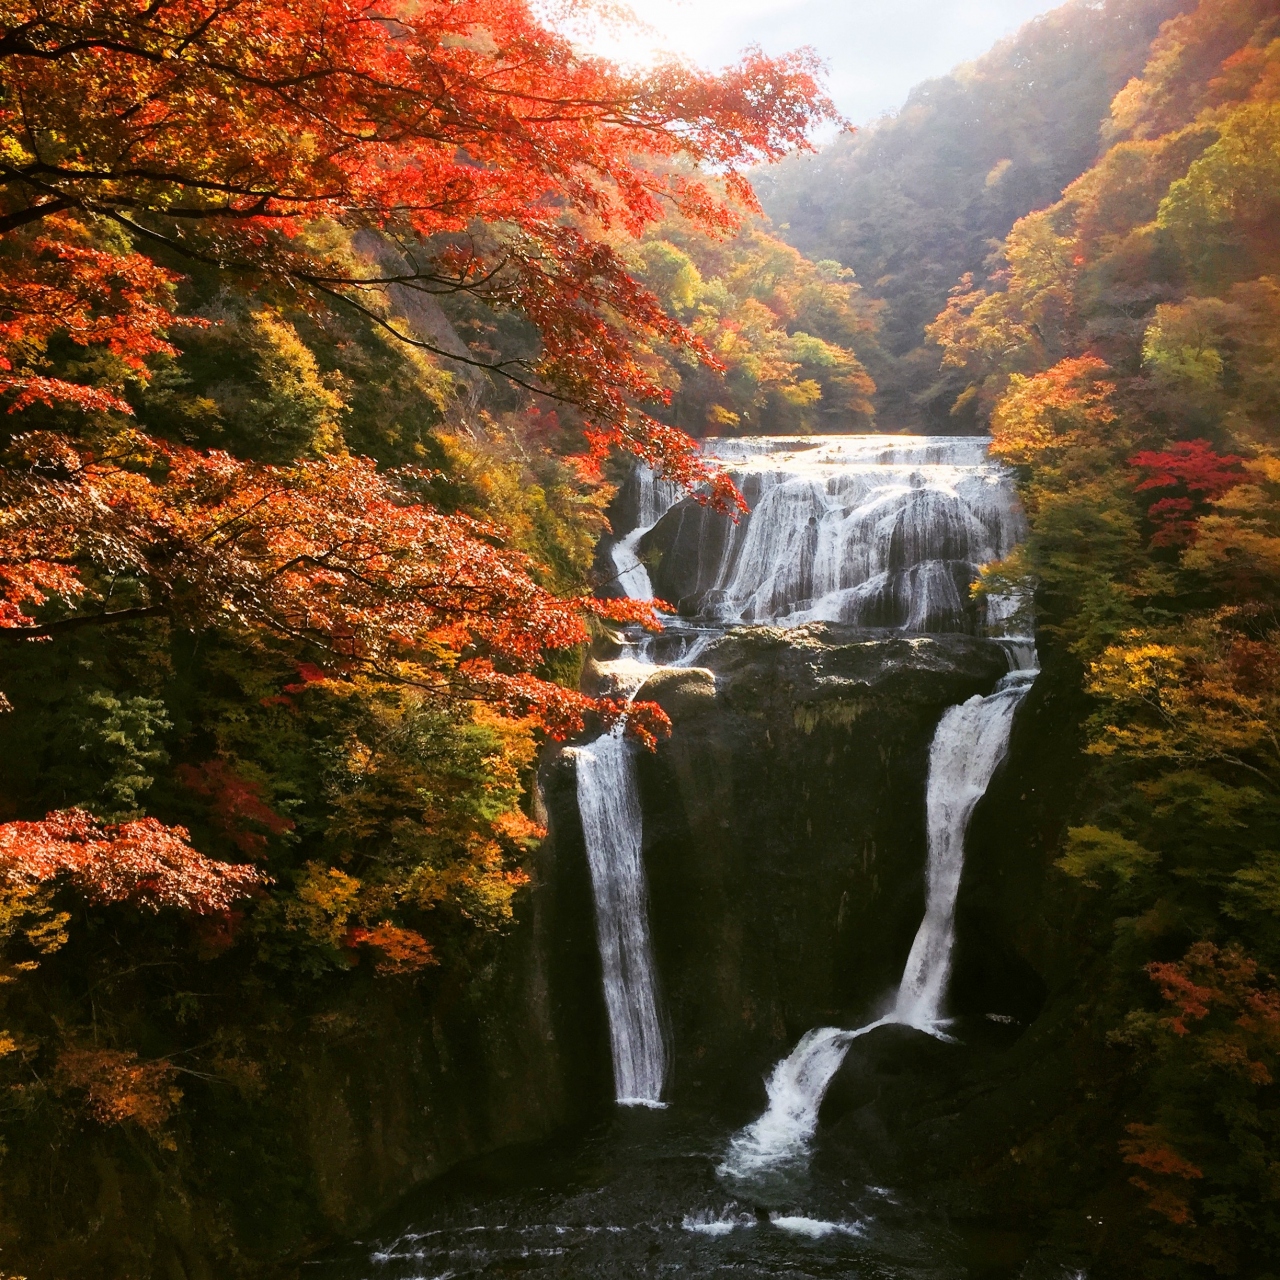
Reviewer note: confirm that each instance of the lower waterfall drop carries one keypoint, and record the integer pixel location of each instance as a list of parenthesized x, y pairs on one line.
[(795, 1088), (609, 804), (612, 829), (968, 745)]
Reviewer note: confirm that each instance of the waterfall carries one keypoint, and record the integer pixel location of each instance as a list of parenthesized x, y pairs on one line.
[(612, 829), (795, 1089), (654, 498), (609, 802), (968, 745), (877, 531)]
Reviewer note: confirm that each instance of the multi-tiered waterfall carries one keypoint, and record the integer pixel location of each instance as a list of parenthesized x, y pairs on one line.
[(788, 814), (882, 532), (877, 531)]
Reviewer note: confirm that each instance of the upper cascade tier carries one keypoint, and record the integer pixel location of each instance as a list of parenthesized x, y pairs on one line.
[(876, 531)]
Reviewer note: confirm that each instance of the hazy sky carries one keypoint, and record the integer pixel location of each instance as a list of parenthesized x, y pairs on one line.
[(875, 49)]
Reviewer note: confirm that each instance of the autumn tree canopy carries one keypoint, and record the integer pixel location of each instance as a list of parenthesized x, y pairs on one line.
[(1123, 352), (488, 158), (473, 135)]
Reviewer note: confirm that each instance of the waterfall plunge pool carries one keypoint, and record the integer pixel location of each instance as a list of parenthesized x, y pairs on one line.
[(639, 1196)]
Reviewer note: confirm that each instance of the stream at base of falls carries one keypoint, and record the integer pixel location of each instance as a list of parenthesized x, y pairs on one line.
[(639, 1196)]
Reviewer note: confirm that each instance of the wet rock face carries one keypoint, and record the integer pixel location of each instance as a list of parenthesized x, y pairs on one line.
[(686, 550), (784, 836)]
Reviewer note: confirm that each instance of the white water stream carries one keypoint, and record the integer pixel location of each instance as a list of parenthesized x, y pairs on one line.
[(613, 832), (655, 498), (609, 803), (881, 531)]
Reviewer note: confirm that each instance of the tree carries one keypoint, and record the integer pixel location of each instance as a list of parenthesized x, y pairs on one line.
[(471, 134), (784, 331), (914, 201), (142, 862), (329, 553), (1125, 351)]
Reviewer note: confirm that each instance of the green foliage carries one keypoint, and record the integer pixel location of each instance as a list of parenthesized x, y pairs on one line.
[(116, 741), (1125, 355), (786, 330), (1223, 212), (1092, 851)]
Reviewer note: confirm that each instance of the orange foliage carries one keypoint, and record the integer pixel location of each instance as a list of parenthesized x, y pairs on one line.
[(1148, 1149), (329, 552), (140, 862), (221, 129), (398, 950), (1227, 980), (59, 283), (1062, 407), (117, 1087)]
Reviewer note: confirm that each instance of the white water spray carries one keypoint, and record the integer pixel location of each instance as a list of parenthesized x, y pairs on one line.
[(879, 531)]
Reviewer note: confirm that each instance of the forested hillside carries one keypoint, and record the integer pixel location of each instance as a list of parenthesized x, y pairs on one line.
[(309, 376), (1125, 350), (785, 333), (914, 201)]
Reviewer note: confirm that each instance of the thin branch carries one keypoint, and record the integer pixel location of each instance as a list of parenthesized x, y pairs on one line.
[(80, 620)]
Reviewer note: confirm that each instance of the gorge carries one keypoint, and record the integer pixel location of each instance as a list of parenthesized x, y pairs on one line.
[(372, 388), (834, 620)]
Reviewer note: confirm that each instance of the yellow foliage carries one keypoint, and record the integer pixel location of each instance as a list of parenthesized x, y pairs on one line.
[(1212, 697), (1063, 408), (1091, 850), (27, 917), (323, 903)]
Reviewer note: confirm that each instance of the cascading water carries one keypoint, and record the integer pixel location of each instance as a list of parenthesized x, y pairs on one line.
[(654, 497), (612, 830), (881, 531), (889, 535), (970, 742), (877, 531), (609, 803)]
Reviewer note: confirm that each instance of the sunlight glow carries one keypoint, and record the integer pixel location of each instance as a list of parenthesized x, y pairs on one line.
[(875, 50)]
